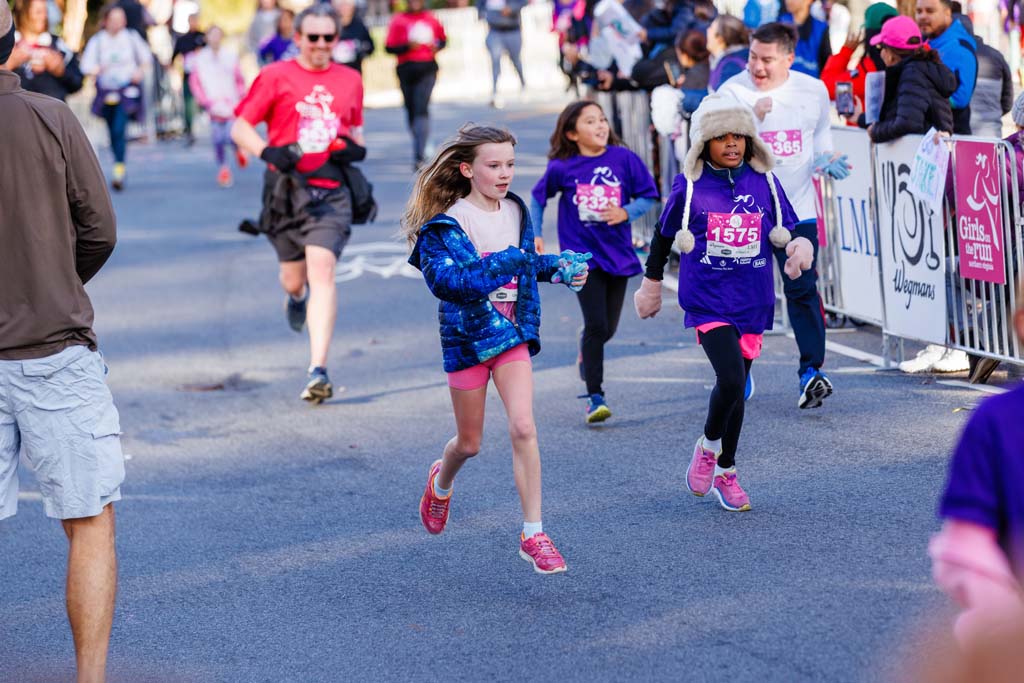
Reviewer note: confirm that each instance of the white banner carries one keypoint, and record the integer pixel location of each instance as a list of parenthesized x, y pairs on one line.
[(855, 239), (912, 248)]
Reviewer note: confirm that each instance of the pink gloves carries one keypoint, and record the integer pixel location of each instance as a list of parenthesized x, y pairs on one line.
[(647, 299), (801, 255), (970, 567)]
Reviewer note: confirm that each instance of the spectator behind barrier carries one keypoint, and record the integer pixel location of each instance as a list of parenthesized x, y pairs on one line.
[(957, 48), (263, 26), (836, 68), (44, 62), (728, 42), (917, 84), (993, 94), (813, 47), (1016, 141), (678, 17)]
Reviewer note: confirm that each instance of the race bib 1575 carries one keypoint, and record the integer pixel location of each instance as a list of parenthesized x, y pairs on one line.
[(734, 235)]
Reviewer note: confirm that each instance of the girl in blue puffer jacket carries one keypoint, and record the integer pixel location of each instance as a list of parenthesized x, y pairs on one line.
[(473, 242)]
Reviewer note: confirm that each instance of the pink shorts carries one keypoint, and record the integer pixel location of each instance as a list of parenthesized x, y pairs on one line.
[(750, 344), (477, 376)]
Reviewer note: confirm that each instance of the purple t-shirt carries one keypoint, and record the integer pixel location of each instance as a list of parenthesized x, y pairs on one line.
[(588, 186), (986, 474), (728, 275)]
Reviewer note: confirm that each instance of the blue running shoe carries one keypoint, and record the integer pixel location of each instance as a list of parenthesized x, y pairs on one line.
[(319, 388), (597, 409), (748, 391), (296, 312), (815, 387)]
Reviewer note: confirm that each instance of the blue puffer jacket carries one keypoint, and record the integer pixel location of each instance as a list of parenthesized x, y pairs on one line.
[(472, 330)]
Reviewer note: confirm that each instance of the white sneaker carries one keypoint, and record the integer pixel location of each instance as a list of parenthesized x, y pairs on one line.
[(925, 359), (952, 361)]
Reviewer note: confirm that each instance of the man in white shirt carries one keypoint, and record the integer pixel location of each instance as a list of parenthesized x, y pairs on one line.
[(792, 113)]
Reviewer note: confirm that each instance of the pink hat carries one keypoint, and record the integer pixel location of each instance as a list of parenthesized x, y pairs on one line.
[(900, 33)]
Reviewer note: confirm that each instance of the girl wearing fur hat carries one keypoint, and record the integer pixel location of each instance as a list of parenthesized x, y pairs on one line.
[(726, 211)]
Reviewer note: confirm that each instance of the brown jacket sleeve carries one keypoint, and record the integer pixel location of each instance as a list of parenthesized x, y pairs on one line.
[(91, 211)]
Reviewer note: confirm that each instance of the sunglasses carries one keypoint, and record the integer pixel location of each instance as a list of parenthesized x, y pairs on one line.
[(325, 37)]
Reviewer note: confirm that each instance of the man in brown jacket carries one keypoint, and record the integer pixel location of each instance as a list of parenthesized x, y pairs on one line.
[(57, 230)]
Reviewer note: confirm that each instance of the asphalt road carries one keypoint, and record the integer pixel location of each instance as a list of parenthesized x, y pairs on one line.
[(261, 539)]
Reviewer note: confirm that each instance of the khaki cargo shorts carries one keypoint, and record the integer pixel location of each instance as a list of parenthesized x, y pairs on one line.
[(59, 413)]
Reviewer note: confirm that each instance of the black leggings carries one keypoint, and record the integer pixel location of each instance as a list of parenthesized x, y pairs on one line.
[(601, 302), (416, 80), (725, 410)]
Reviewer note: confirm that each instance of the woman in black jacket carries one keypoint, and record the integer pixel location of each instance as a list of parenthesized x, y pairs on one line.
[(917, 84)]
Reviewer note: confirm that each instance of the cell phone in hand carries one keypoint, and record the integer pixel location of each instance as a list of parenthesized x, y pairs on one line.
[(844, 98)]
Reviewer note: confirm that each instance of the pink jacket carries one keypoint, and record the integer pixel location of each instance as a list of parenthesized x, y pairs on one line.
[(217, 82)]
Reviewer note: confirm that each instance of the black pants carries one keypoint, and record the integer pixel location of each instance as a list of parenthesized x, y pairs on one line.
[(416, 80), (725, 410), (803, 303), (601, 302)]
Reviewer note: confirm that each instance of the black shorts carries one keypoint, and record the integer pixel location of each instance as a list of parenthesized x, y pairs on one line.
[(298, 217)]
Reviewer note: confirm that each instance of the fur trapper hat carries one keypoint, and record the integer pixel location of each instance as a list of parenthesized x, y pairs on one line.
[(718, 115)]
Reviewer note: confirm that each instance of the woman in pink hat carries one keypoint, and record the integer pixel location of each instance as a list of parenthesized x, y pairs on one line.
[(917, 84)]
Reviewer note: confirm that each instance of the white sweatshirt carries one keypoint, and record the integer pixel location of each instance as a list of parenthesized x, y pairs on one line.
[(797, 129)]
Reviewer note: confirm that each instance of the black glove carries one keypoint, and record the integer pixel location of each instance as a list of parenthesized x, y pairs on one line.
[(284, 158), (345, 150)]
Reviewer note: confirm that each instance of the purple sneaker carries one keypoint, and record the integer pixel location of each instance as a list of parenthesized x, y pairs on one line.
[(730, 494), (701, 470)]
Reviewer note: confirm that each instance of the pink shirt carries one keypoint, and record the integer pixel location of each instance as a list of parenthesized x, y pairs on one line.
[(492, 231)]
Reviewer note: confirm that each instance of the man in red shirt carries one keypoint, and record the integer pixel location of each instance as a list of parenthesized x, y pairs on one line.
[(313, 109)]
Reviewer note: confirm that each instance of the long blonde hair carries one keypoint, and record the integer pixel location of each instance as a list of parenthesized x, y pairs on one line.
[(440, 183)]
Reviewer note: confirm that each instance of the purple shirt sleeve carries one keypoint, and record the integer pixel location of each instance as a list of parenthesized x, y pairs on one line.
[(549, 184), (971, 490), (789, 218), (672, 214), (640, 179)]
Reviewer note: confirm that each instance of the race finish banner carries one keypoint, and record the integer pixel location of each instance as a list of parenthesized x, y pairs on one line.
[(979, 215), (855, 238), (911, 244)]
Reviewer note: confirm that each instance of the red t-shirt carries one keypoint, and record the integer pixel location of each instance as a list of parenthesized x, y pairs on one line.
[(420, 27), (312, 108)]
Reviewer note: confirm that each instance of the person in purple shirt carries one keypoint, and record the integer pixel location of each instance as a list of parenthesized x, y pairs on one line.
[(603, 186), (726, 212), (978, 557)]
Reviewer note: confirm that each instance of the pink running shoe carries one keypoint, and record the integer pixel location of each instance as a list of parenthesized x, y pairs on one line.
[(434, 510), (539, 551), (730, 494), (701, 470)]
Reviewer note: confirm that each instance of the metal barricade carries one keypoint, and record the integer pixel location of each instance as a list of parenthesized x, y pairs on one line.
[(629, 113), (981, 312)]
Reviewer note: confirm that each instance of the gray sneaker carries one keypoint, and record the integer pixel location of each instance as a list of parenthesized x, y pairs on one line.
[(295, 309), (319, 388)]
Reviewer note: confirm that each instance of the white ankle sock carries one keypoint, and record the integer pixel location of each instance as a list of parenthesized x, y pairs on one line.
[(719, 470), (531, 528), (713, 444), (438, 491)]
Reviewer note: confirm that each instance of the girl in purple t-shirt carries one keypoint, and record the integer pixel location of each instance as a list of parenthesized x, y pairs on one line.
[(603, 186), (726, 212), (978, 557)]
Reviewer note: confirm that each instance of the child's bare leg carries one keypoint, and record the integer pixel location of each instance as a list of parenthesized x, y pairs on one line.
[(514, 382), (469, 426)]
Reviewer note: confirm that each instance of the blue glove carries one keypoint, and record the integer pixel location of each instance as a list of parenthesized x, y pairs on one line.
[(838, 169), (571, 264)]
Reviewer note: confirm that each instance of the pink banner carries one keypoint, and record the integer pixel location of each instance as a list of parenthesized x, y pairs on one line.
[(819, 209), (979, 219)]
